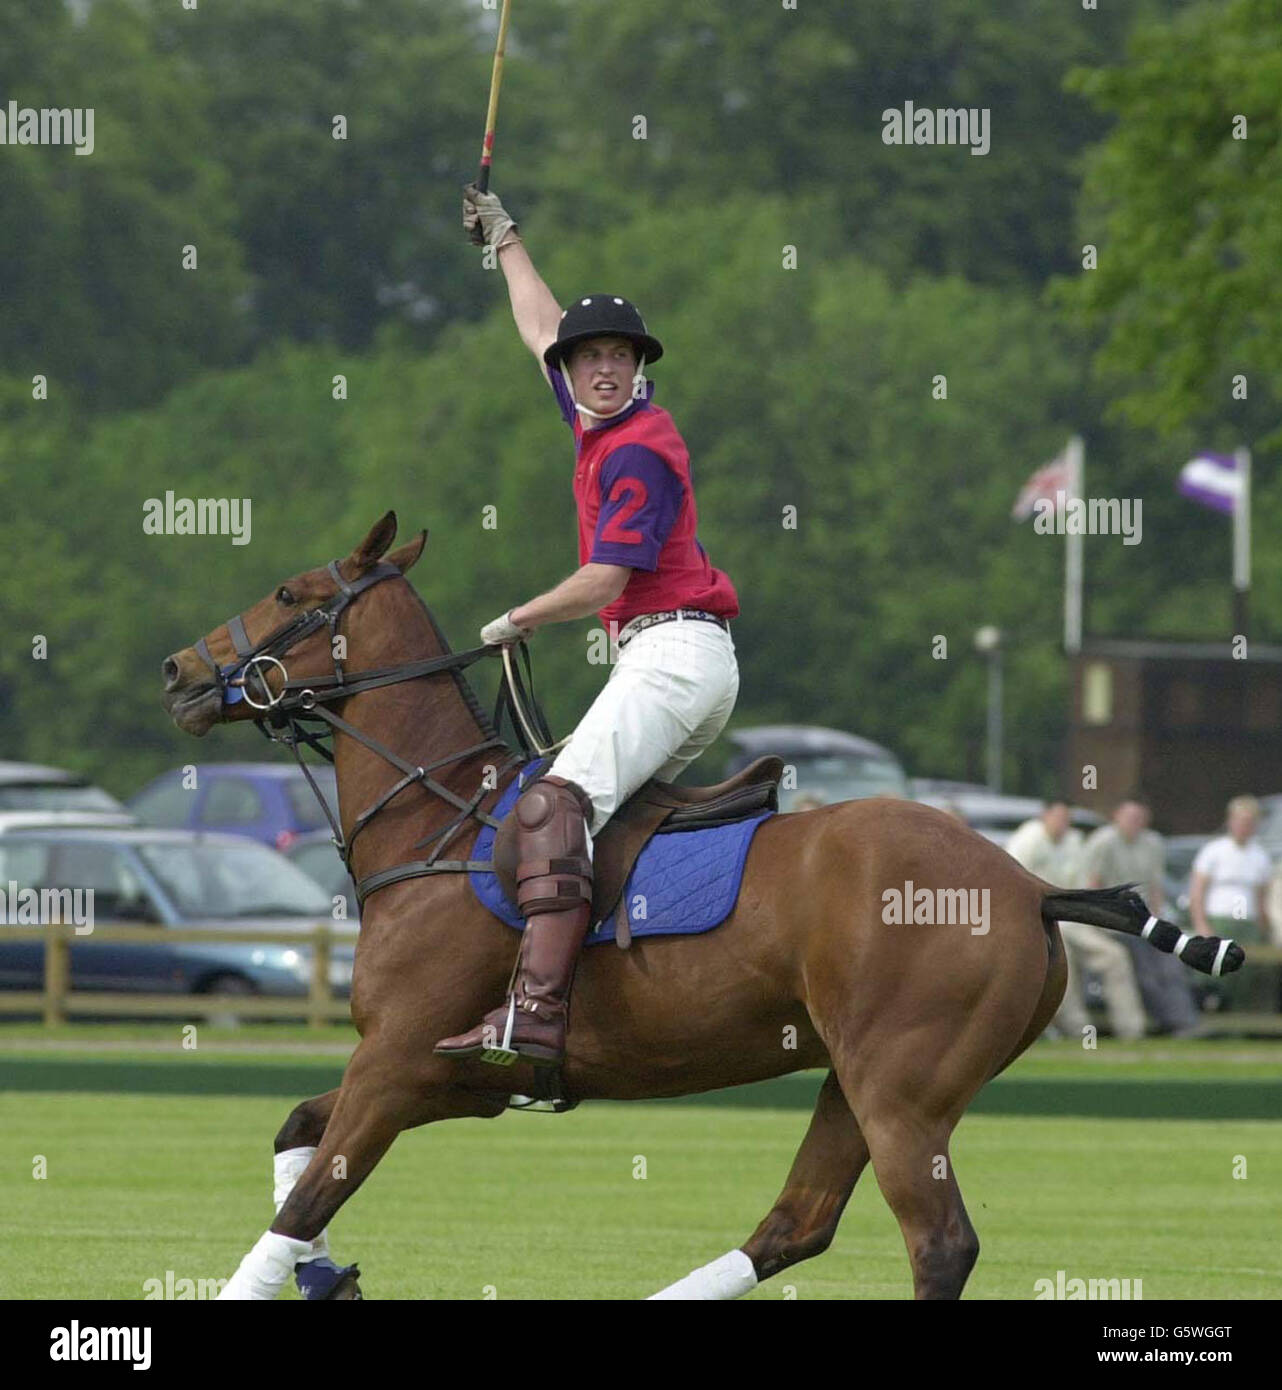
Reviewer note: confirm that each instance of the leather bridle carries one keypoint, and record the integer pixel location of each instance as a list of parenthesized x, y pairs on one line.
[(284, 713)]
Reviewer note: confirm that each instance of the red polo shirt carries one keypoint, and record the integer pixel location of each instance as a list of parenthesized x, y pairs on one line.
[(635, 502)]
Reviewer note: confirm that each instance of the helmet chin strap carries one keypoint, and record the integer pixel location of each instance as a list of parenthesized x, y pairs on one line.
[(596, 415)]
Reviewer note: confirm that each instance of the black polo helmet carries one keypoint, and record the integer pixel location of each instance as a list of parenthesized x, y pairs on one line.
[(602, 316)]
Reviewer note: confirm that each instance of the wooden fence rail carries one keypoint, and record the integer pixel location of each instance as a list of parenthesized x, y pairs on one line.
[(58, 1000)]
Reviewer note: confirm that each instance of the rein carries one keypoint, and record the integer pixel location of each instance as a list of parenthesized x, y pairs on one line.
[(285, 713)]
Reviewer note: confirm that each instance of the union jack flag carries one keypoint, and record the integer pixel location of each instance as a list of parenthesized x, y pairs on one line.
[(1051, 478)]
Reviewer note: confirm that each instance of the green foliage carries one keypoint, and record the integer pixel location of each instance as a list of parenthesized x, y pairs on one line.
[(341, 235), (96, 297), (757, 97), (1185, 213)]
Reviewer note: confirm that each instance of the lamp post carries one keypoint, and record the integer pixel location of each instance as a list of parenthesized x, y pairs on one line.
[(988, 641)]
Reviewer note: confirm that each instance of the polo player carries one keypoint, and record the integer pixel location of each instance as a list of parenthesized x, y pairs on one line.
[(642, 569)]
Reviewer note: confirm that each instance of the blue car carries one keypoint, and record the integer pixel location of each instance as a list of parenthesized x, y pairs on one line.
[(172, 878), (268, 802)]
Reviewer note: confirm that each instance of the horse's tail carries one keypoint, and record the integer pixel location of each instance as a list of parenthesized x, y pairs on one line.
[(1122, 909)]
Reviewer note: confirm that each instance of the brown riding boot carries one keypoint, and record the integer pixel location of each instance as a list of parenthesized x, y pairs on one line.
[(554, 891)]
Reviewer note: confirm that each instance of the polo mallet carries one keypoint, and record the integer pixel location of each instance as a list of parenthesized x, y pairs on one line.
[(492, 115)]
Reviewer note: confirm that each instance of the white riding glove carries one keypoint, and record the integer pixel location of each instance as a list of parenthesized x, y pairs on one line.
[(503, 630), (485, 219)]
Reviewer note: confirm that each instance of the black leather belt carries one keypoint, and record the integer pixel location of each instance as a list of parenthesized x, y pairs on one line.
[(697, 615)]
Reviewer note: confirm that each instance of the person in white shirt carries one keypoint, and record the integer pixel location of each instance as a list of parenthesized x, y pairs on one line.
[(1229, 894), (1051, 848)]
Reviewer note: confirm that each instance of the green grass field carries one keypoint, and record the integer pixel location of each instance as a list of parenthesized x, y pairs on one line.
[(1114, 1164)]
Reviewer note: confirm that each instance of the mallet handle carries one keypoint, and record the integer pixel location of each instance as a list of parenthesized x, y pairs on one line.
[(492, 115)]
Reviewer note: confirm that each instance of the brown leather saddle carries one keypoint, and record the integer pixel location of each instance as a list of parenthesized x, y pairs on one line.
[(657, 807)]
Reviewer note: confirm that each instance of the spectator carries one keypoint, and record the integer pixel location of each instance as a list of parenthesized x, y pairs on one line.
[(1049, 847), (1127, 851), (1229, 896)]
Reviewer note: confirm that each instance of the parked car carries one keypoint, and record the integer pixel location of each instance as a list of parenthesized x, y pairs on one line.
[(32, 787), (830, 765), (171, 878), (315, 854), (46, 820), (995, 815), (269, 802)]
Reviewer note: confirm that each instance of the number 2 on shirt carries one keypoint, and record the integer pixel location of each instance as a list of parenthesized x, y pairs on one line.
[(616, 528)]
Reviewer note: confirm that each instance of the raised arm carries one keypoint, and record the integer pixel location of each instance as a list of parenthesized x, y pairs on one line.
[(534, 307)]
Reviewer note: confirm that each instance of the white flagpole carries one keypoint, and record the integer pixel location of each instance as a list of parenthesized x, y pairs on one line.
[(1073, 552), (1242, 538)]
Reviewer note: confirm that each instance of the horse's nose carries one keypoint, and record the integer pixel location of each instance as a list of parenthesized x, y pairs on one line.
[(171, 673)]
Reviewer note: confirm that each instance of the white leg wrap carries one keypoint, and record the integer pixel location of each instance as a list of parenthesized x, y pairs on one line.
[(731, 1276), (266, 1269), (1218, 964), (290, 1165), (1148, 927)]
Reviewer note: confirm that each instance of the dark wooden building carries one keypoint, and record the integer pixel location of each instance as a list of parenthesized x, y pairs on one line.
[(1186, 724)]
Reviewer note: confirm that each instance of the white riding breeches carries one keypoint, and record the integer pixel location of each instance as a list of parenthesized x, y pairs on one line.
[(669, 695)]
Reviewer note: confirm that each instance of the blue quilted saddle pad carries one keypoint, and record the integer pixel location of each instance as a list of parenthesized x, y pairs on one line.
[(683, 883)]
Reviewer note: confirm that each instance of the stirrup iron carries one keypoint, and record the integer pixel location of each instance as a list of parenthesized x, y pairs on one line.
[(505, 1054)]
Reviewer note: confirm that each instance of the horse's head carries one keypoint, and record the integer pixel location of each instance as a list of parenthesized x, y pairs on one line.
[(238, 670)]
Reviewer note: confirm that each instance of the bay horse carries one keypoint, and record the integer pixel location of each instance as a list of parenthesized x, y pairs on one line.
[(910, 1019)]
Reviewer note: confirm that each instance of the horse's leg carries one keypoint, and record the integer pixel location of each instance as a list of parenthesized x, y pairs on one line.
[(380, 1096), (295, 1147), (803, 1220), (907, 1123)]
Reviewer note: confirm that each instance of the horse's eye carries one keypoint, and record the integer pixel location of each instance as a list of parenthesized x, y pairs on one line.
[(284, 596)]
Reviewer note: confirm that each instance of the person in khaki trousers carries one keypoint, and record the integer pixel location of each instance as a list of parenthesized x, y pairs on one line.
[(1049, 847), (1127, 851)]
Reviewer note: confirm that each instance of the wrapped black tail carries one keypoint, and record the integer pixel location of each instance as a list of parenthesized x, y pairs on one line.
[(1122, 909)]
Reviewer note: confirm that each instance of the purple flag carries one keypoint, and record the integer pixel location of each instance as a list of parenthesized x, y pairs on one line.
[(1214, 480)]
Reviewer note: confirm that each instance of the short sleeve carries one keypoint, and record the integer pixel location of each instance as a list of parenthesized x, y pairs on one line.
[(1204, 863), (1023, 846), (640, 500)]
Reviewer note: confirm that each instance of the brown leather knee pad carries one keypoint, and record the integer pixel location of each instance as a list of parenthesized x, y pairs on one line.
[(554, 872)]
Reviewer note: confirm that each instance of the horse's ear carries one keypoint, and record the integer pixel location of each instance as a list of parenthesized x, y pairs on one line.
[(370, 551), (405, 557)]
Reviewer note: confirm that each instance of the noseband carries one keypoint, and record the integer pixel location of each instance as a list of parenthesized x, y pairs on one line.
[(234, 681), (284, 711)]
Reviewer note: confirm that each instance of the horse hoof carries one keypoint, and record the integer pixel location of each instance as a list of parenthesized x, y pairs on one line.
[(347, 1289), (323, 1280)]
